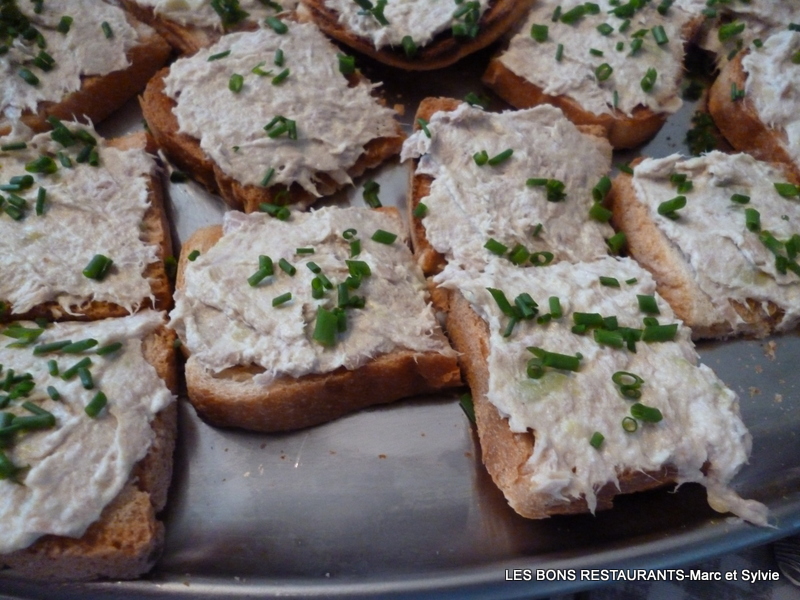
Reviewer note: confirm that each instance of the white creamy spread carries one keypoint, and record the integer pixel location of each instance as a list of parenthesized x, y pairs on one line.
[(701, 420), (773, 86), (333, 120), (574, 75), (225, 322), (199, 13), (80, 465), (468, 204), (88, 210), (420, 19), (727, 259), (83, 51)]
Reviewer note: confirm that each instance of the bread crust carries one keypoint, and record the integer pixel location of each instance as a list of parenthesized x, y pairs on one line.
[(675, 281), (127, 539), (154, 230), (504, 452), (185, 152), (444, 49), (230, 399), (739, 121), (101, 95)]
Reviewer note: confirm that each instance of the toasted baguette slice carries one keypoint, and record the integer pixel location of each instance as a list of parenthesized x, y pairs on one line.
[(127, 539), (531, 207), (504, 452), (623, 128), (153, 230), (535, 427), (231, 397), (444, 50), (101, 95), (739, 120), (188, 31), (684, 277), (185, 150)]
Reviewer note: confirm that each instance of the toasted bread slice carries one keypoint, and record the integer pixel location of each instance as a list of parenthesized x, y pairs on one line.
[(587, 88), (233, 396), (733, 105), (186, 152), (444, 49), (493, 201), (99, 95), (153, 232), (127, 539), (189, 28), (535, 428), (704, 276)]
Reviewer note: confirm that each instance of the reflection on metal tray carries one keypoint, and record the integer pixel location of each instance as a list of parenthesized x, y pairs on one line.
[(394, 501)]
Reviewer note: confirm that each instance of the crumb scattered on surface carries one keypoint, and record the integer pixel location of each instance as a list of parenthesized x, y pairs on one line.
[(779, 398), (332, 451), (754, 391), (759, 369), (769, 349), (381, 456), (400, 109)]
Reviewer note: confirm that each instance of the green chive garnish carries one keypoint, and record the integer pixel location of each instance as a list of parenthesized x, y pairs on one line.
[(647, 304), (85, 376), (347, 64), (107, 31), (287, 267), (235, 83), (670, 207), (598, 212), (481, 158), (646, 414), (73, 370), (53, 393), (609, 281), (279, 58), (28, 76), (596, 440), (325, 327), (603, 72), (108, 349), (282, 299), (219, 55), (630, 424), (660, 35), (384, 237), (409, 47), (64, 24), (649, 79), (79, 346), (659, 333), (467, 406), (495, 247), (98, 267), (420, 210), (52, 368), (370, 194), (539, 32), (501, 158), (280, 77), (559, 52), (43, 164), (51, 347), (729, 30), (277, 25), (97, 404), (542, 259), (787, 190), (752, 219)]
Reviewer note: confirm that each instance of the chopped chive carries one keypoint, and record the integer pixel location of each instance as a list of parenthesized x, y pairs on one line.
[(276, 25), (258, 277), (559, 52), (280, 77), (13, 146), (495, 247), (555, 307), (664, 6), (40, 199), (218, 56), (409, 47), (752, 219), (420, 210), (729, 30), (646, 414), (267, 176), (556, 14), (282, 299), (630, 424), (600, 191), (542, 259), (588, 319), (605, 337), (736, 93), (605, 29), (501, 158), (423, 124), (325, 327), (28, 76), (574, 14), (596, 52), (43, 164), (787, 190), (473, 99), (53, 393), (65, 160), (603, 72), (555, 360), (384, 237), (355, 248), (279, 58), (279, 212), (108, 349), (624, 26), (370, 193), (519, 254), (467, 405), (98, 267), (64, 24), (620, 47), (481, 158), (304, 251), (598, 212), (596, 440), (609, 281), (52, 367), (107, 31), (51, 347), (649, 79), (193, 255), (502, 302), (647, 304), (73, 370), (669, 208), (96, 405), (265, 263), (659, 333), (287, 267), (660, 35), (539, 32), (79, 346), (85, 376), (347, 64), (235, 83), (636, 45)]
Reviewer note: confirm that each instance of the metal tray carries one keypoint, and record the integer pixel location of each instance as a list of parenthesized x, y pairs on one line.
[(394, 501)]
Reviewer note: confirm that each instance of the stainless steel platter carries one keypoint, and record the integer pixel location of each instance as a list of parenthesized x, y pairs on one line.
[(394, 501)]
